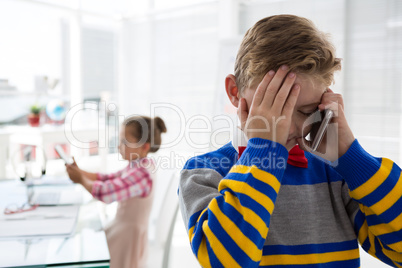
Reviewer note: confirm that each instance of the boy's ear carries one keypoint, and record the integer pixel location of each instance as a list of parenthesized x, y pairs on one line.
[(231, 90)]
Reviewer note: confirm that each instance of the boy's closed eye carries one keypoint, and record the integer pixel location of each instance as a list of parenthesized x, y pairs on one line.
[(308, 109), (307, 113)]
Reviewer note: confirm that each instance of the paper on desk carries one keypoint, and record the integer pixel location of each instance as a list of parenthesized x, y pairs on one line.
[(43, 221)]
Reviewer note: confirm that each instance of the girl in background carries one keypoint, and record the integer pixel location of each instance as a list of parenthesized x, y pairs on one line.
[(132, 187)]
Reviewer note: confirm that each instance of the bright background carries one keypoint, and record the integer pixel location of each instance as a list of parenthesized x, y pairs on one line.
[(169, 58)]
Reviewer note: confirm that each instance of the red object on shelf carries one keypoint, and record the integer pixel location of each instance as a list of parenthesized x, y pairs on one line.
[(33, 120)]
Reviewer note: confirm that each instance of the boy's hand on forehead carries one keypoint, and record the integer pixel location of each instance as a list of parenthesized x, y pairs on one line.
[(270, 112)]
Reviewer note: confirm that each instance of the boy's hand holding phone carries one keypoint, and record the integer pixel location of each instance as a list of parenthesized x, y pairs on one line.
[(270, 114), (335, 144)]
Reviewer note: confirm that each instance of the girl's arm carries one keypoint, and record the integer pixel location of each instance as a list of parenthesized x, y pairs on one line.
[(77, 176), (87, 183), (106, 177), (136, 182), (90, 175)]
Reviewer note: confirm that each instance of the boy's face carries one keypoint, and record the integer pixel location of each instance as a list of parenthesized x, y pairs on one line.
[(311, 91)]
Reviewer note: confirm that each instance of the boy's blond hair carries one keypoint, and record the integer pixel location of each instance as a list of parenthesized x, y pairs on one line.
[(285, 39)]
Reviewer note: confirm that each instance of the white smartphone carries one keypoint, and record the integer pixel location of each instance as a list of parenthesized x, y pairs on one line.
[(63, 155), (328, 114)]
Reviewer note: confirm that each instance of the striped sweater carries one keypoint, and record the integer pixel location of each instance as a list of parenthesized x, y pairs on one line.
[(256, 211)]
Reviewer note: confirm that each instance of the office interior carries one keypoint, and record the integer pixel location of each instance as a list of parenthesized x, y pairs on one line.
[(89, 64)]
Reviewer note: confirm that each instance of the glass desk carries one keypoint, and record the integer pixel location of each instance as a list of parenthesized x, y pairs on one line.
[(85, 247)]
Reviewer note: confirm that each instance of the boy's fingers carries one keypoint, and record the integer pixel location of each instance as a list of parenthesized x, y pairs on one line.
[(330, 96), (334, 106), (274, 86), (290, 103), (283, 93), (260, 92)]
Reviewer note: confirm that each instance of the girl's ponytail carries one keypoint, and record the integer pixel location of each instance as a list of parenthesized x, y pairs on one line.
[(160, 124)]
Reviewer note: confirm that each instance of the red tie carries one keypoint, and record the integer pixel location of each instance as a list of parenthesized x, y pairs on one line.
[(296, 156)]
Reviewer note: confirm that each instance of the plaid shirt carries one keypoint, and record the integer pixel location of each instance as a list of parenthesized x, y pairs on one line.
[(132, 181)]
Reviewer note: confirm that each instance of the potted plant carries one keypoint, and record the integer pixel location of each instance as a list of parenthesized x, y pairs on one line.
[(34, 116)]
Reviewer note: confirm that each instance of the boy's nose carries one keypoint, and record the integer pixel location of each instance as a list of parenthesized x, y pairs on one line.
[(295, 129), (292, 129)]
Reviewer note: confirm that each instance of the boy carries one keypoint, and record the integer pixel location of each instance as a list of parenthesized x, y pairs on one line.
[(250, 211)]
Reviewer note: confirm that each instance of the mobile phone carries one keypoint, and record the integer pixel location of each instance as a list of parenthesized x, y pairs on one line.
[(319, 134), (68, 160)]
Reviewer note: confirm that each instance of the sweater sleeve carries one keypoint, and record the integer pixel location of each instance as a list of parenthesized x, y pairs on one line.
[(228, 213), (376, 185), (136, 182)]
